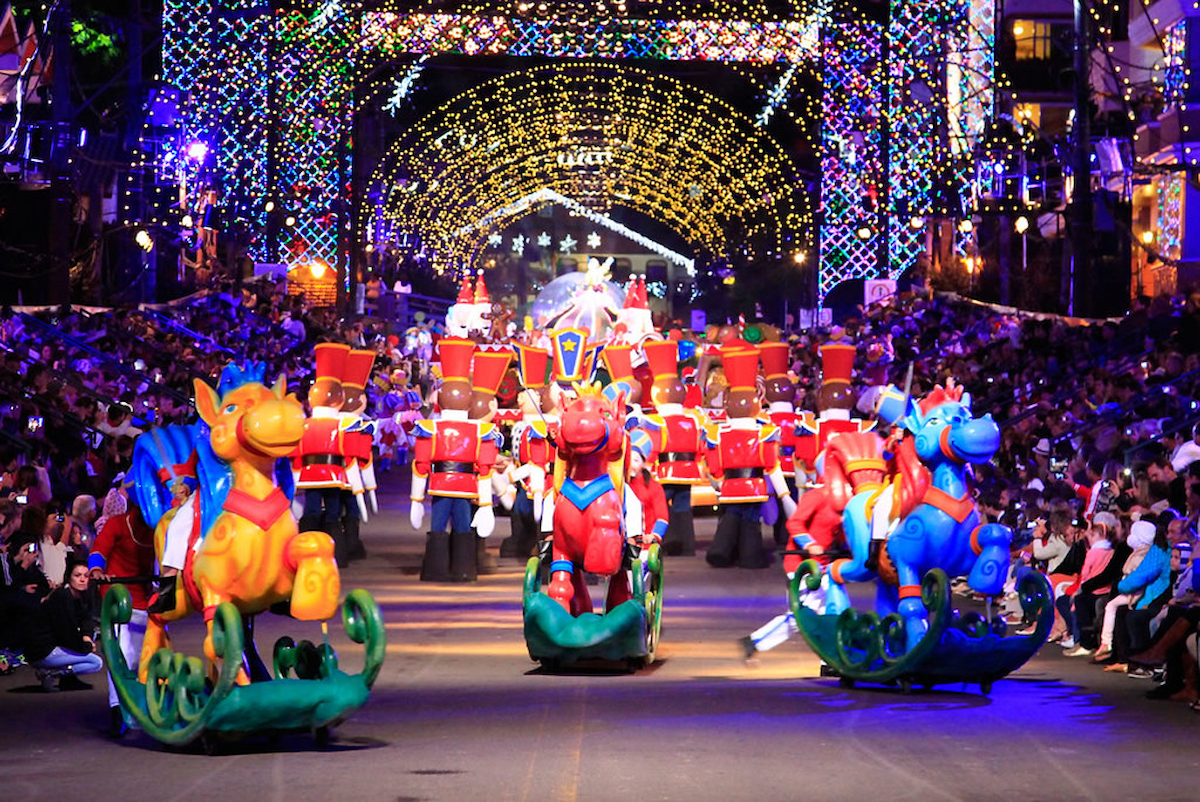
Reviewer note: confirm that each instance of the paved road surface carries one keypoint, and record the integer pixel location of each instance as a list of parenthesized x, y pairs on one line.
[(460, 713)]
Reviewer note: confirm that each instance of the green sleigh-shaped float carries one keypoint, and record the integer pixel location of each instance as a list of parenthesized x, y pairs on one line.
[(179, 704)]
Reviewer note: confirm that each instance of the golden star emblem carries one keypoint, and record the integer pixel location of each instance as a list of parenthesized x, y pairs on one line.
[(568, 346)]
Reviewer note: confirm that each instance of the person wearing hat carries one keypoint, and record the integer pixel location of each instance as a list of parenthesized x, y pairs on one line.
[(742, 457), (780, 394), (125, 548), (453, 462), (357, 445), (649, 492), (835, 401), (487, 373), (1147, 568), (533, 450), (677, 435), (320, 455)]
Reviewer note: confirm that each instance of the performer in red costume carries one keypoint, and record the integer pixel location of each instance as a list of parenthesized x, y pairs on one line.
[(835, 400), (533, 449), (453, 462), (742, 455), (678, 442), (357, 442), (490, 365), (780, 393), (321, 453), (647, 489), (125, 548)]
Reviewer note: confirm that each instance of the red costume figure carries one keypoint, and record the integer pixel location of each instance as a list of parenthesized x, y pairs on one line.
[(678, 443), (780, 393), (453, 463), (357, 443), (533, 448), (743, 457), (588, 512), (490, 366), (322, 464), (835, 400), (649, 492)]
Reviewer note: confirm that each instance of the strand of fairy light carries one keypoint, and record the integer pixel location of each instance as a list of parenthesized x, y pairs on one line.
[(676, 147)]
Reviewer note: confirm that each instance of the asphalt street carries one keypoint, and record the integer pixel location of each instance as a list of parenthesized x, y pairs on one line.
[(460, 713)]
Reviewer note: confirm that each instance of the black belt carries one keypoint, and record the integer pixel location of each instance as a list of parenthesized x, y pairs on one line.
[(787, 451), (743, 473), (446, 466), (323, 459), (677, 456)]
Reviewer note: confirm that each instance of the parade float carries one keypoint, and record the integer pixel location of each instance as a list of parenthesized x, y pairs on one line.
[(909, 522), (590, 534), (245, 556)]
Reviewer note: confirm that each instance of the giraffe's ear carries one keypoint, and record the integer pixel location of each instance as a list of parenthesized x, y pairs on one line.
[(206, 401), (280, 388)]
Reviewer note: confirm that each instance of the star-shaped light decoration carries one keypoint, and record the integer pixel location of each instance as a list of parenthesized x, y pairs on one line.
[(518, 245), (544, 240), (567, 244), (593, 240), (495, 240), (568, 346)]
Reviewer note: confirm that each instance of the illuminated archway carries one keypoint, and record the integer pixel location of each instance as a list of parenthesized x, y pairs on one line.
[(603, 134)]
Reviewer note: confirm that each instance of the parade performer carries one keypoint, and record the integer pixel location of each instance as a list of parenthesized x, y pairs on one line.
[(487, 372), (835, 400), (125, 548), (742, 457), (533, 452), (357, 443), (647, 489), (678, 441), (780, 394), (453, 463), (321, 451)]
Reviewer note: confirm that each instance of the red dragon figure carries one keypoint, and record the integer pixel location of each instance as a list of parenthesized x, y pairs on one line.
[(588, 518)]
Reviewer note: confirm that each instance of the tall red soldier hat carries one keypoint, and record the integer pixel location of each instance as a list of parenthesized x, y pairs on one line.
[(837, 363), (741, 367), (331, 360), (358, 368), (774, 359), (455, 355), (618, 360), (531, 365), (490, 366), (663, 358)]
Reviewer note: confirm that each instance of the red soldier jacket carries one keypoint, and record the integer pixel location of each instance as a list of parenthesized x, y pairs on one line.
[(741, 460), (321, 455), (124, 548), (654, 503), (679, 445), (812, 434), (454, 455), (534, 446), (786, 422)]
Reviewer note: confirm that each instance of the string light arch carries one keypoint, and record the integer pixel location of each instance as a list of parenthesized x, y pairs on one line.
[(604, 134)]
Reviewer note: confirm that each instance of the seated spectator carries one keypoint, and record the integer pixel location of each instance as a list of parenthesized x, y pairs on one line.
[(22, 587), (1187, 452), (1147, 574), (60, 637), (1094, 589)]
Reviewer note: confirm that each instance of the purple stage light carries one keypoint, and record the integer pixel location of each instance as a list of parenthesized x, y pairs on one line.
[(196, 151)]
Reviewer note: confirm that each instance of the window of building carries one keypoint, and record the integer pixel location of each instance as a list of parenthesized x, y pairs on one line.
[(1032, 39)]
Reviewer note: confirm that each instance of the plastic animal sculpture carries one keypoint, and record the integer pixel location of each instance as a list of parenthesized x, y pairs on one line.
[(942, 530), (250, 552), (588, 512)]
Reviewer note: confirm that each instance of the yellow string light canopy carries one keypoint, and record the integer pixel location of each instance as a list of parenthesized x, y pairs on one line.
[(603, 134), (584, 10)]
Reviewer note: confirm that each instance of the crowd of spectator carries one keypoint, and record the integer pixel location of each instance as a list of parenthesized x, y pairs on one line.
[(1097, 471)]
